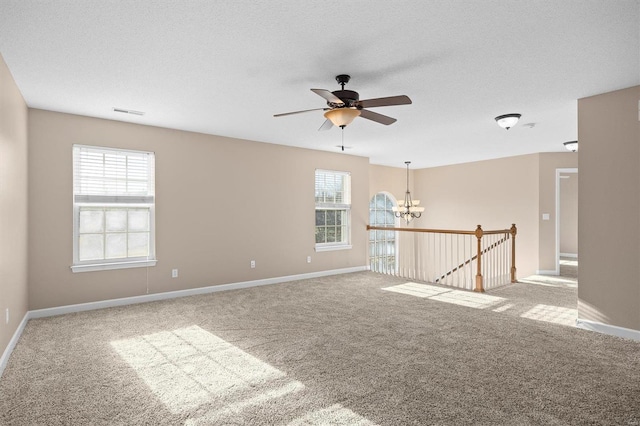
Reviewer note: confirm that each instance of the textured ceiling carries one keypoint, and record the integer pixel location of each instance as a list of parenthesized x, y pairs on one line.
[(225, 67)]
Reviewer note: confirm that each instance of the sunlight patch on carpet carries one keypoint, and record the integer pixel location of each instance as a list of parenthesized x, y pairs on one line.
[(334, 415), (456, 297), (503, 308), (549, 281), (192, 370), (555, 314), (188, 367), (224, 414)]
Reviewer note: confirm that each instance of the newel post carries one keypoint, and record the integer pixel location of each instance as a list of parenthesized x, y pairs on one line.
[(479, 284), (513, 231)]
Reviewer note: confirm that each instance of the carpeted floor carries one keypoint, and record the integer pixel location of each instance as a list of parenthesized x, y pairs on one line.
[(335, 350)]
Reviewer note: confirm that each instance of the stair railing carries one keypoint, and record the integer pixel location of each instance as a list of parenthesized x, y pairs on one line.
[(474, 260)]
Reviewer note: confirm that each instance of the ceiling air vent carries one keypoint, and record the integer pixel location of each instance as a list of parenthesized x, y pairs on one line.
[(128, 111)]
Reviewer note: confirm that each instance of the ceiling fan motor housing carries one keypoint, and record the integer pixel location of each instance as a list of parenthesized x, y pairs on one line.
[(349, 97)]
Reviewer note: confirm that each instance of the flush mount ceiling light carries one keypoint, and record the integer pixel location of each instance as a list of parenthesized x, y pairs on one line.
[(507, 121), (571, 145), (409, 209), (342, 117)]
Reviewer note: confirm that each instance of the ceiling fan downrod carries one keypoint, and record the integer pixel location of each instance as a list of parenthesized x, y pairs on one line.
[(343, 79)]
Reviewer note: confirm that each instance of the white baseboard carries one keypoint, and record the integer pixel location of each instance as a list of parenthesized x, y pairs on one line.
[(12, 343), (81, 307), (571, 255), (613, 330), (547, 272)]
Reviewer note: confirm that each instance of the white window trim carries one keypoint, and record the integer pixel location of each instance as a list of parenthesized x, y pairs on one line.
[(345, 245), (112, 201), (118, 265), (332, 246)]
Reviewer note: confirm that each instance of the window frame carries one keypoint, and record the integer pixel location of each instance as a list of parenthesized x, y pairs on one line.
[(116, 201), (372, 255), (344, 206)]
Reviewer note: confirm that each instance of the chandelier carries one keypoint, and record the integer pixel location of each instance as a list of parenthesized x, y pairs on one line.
[(409, 209)]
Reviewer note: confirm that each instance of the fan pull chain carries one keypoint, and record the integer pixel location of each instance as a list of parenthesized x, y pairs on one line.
[(342, 138)]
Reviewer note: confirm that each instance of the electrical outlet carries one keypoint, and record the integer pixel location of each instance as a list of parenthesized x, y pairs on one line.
[(174, 273), (308, 259), (7, 316), (253, 264)]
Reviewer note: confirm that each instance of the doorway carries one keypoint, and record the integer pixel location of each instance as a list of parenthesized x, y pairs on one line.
[(567, 222)]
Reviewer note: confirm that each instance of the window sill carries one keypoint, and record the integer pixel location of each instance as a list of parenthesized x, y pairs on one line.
[(332, 248), (116, 265)]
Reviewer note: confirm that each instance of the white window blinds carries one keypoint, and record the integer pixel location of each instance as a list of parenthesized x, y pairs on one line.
[(105, 175), (333, 189)]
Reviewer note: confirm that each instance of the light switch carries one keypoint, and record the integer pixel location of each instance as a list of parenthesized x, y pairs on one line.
[(545, 216)]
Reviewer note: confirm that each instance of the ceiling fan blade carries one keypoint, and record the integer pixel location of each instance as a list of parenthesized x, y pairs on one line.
[(328, 96), (300, 112), (389, 101), (326, 125), (378, 118)]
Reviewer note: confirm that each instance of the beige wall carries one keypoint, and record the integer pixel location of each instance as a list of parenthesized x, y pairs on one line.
[(220, 203), (13, 206), (493, 193), (569, 214), (609, 204), (389, 179), (549, 162)]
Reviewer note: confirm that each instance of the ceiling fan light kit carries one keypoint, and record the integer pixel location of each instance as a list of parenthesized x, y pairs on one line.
[(507, 121), (342, 117), (343, 106)]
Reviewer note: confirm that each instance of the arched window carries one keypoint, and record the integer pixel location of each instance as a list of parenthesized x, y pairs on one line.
[(382, 244)]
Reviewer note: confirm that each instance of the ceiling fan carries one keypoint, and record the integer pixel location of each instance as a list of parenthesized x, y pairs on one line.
[(345, 105)]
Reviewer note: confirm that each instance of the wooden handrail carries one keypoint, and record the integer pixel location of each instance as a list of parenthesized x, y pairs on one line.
[(479, 233), (437, 231)]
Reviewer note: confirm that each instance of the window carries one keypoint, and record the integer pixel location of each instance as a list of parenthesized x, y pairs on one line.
[(333, 210), (382, 244), (113, 208)]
